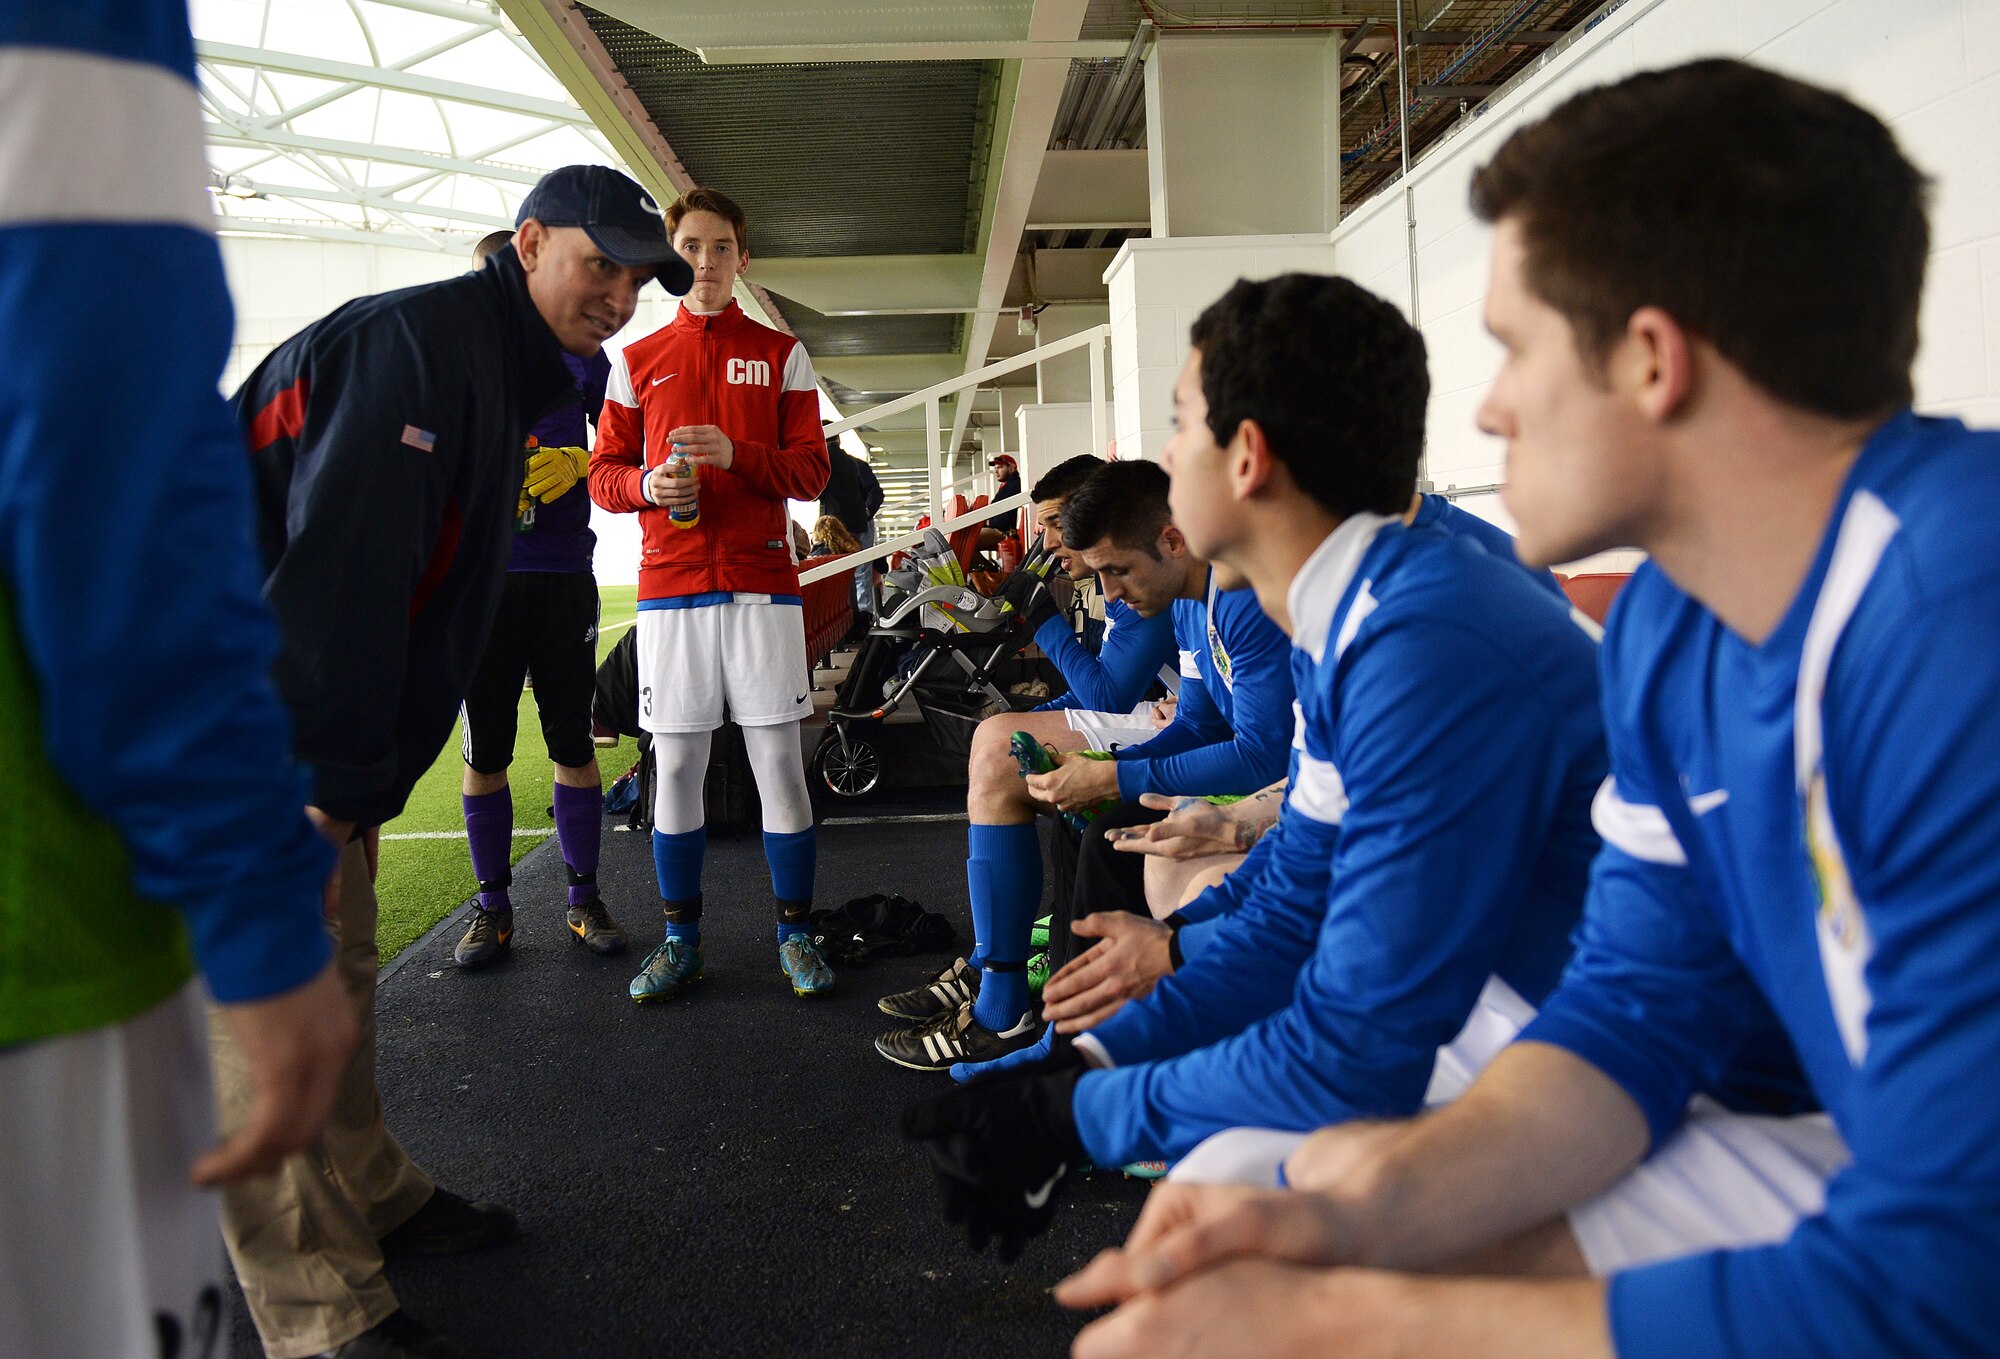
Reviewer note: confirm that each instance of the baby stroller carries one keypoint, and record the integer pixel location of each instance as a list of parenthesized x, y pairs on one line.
[(938, 641)]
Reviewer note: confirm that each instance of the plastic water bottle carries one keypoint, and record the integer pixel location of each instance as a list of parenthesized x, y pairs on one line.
[(688, 513)]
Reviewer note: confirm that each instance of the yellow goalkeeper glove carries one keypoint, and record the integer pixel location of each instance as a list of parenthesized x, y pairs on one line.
[(552, 471)]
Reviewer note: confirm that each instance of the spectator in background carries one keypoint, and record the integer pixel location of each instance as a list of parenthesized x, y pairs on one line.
[(546, 632), (153, 819), (854, 496), (1007, 477), (831, 538)]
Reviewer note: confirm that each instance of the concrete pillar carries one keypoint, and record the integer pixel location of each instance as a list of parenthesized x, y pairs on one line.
[(1066, 377), (1243, 146), (1157, 290), (1243, 134)]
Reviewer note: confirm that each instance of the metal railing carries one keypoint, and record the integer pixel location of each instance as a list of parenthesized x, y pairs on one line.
[(932, 399)]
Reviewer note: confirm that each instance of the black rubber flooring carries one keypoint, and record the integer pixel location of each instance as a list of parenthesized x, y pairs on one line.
[(719, 1175)]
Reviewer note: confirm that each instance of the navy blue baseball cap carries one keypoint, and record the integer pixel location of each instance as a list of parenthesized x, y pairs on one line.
[(615, 212)]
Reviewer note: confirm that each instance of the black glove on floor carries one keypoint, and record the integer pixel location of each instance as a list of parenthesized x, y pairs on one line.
[(1001, 1148)]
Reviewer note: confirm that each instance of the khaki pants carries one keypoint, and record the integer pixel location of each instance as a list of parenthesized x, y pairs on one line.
[(305, 1240)]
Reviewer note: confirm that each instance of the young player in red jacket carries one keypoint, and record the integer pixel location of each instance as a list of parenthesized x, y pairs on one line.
[(720, 621)]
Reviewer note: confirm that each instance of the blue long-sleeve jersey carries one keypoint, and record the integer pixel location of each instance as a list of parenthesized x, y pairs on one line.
[(1233, 723), (1436, 512), (136, 596), (1816, 821), (1437, 833), (1117, 677)]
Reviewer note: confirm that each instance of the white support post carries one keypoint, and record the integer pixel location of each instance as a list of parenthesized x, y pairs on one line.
[(1098, 426), (934, 461)]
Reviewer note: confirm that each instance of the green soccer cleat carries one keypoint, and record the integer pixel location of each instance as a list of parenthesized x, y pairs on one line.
[(1038, 972), (675, 964), (1038, 937), (1032, 757)]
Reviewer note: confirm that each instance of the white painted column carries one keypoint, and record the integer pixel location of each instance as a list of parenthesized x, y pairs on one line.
[(1157, 290)]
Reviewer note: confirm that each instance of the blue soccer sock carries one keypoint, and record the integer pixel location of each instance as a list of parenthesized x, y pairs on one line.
[(1003, 873), (794, 859), (677, 861)]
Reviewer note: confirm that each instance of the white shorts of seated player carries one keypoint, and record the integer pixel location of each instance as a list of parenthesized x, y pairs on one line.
[(106, 1249), (1114, 731), (1723, 1181)]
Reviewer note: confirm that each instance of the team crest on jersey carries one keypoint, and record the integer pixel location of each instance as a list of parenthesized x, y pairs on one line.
[(1845, 942), (747, 373), (1219, 654)]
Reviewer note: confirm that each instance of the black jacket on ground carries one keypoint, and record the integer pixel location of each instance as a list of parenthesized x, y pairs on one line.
[(386, 441)]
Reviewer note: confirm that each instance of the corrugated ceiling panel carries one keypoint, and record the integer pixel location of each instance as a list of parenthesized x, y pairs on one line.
[(827, 159), (851, 336)]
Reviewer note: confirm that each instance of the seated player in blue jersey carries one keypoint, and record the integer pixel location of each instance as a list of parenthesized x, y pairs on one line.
[(1228, 735), (1432, 855), (1706, 281), (1102, 685), (1195, 846)]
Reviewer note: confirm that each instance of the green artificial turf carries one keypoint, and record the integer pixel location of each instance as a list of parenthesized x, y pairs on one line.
[(422, 881)]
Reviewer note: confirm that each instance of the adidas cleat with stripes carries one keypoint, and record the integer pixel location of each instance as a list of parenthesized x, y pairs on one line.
[(957, 1037), (935, 999)]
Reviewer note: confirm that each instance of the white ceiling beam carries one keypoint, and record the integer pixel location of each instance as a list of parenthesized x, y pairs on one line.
[(872, 282), (384, 203), (423, 160), (1020, 147), (743, 23), (438, 49), (478, 13), (273, 227), (888, 372), (781, 54), (430, 87)]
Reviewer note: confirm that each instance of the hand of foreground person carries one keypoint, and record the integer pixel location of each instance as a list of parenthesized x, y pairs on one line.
[(1255, 1309), (1077, 784), (666, 490), (1194, 828), (1132, 953), (703, 445), (1186, 1228), (336, 833), (295, 1046), (1001, 1147)]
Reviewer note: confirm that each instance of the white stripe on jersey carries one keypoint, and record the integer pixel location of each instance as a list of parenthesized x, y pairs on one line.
[(619, 386), (1640, 830), (1318, 792), (1190, 669), (1846, 944), (1357, 614), (68, 152), (799, 376)]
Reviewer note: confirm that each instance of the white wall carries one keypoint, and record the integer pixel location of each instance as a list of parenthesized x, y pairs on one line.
[(1929, 68), (279, 287)]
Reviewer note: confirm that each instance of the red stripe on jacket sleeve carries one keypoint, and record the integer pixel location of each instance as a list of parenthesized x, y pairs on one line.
[(443, 554), (282, 417)]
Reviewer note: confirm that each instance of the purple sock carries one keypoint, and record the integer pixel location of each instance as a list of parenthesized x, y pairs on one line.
[(489, 831), (579, 826)]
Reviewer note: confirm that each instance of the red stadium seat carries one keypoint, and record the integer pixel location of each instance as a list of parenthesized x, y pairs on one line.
[(829, 612), (1593, 592)]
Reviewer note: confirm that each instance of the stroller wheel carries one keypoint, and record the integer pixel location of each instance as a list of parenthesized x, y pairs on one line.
[(852, 772)]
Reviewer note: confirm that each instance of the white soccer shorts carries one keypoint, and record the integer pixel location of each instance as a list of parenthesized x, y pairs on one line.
[(749, 658), (104, 1242), (1112, 731), (1725, 1180)]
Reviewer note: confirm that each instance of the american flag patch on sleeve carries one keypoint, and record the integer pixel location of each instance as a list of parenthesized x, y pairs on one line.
[(419, 438)]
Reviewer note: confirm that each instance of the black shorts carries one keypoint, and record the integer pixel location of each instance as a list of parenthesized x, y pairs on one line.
[(546, 632)]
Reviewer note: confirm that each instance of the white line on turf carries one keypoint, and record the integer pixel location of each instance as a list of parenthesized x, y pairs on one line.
[(892, 820), (520, 832)]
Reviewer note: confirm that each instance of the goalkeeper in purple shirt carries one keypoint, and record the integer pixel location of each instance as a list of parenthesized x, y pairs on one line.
[(546, 632)]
